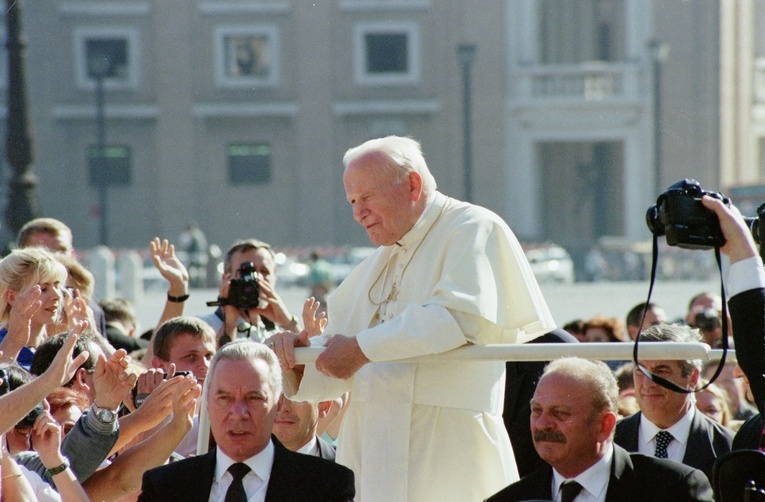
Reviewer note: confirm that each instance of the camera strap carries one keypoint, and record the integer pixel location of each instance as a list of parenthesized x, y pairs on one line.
[(663, 381)]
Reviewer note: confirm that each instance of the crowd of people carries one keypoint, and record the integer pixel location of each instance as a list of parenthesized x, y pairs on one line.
[(215, 405)]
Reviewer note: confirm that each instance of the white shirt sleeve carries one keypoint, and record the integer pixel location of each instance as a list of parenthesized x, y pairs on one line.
[(745, 275)]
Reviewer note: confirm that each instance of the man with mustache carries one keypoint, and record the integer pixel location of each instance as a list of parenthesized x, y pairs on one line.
[(573, 415)]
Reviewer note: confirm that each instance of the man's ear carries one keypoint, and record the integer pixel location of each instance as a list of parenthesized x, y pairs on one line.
[(80, 382), (694, 382), (415, 186), (607, 424), (157, 362), (324, 407)]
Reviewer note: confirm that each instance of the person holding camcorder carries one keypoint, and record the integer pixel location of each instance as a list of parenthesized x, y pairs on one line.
[(248, 305)]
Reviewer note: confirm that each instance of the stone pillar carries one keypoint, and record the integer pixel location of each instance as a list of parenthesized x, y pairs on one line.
[(101, 264), (130, 266)]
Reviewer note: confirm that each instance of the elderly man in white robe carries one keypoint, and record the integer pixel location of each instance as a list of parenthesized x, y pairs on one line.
[(446, 274)]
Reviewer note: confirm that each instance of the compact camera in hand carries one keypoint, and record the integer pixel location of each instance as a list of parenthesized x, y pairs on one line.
[(680, 215)]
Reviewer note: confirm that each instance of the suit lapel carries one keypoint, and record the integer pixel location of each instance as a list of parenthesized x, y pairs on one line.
[(627, 437), (698, 449), (621, 484), (281, 474), (202, 480)]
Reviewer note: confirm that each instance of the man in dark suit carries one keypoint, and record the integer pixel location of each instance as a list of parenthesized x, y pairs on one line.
[(573, 415), (668, 424), (296, 424), (521, 379), (243, 386)]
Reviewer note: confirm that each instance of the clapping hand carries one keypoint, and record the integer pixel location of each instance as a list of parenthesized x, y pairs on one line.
[(112, 380)]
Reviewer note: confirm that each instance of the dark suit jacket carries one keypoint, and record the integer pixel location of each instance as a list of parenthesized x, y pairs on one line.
[(294, 478), (747, 313), (634, 477), (520, 383), (707, 440)]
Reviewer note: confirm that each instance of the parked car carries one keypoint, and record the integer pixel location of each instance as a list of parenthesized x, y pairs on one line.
[(551, 264)]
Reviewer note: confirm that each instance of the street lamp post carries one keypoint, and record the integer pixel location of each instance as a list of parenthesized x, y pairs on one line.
[(466, 56), (99, 67), (22, 199), (659, 52)]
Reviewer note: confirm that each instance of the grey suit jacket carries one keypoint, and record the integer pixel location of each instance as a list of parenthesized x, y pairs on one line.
[(634, 478), (707, 440)]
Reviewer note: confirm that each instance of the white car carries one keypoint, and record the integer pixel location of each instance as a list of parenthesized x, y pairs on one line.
[(551, 264)]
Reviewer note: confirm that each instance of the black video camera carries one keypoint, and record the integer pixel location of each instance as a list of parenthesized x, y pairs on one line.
[(244, 292), (680, 215)]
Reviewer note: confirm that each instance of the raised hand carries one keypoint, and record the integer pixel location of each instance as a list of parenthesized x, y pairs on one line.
[(313, 320), (185, 396), (169, 266), (112, 380), (46, 439)]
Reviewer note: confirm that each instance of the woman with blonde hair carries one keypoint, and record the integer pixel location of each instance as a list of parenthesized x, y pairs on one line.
[(30, 299)]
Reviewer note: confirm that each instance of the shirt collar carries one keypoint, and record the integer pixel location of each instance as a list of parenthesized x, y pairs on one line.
[(680, 430), (425, 221), (260, 463), (311, 447), (594, 479)]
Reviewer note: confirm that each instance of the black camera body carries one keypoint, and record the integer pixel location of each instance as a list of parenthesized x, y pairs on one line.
[(680, 215), (244, 292)]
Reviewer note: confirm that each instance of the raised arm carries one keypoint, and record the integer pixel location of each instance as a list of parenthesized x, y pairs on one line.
[(124, 475), (746, 285), (171, 268), (16, 404), (46, 439)]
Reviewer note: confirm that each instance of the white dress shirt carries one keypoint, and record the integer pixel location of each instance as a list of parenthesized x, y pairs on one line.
[(310, 448), (594, 480), (255, 482), (680, 431)]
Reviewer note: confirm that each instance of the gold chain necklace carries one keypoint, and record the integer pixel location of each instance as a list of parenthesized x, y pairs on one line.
[(394, 289)]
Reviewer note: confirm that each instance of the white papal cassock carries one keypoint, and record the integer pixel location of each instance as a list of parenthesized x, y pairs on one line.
[(431, 431)]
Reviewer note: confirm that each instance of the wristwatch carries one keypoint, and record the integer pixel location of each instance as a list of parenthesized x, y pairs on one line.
[(105, 415)]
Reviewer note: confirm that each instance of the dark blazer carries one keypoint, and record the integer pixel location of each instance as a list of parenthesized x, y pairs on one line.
[(747, 313), (707, 440), (294, 478), (520, 382), (634, 477), (326, 450)]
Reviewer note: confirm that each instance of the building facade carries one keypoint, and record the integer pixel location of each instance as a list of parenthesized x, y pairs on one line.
[(235, 114)]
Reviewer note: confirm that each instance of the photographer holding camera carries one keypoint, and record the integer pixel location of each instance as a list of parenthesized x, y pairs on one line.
[(248, 305)]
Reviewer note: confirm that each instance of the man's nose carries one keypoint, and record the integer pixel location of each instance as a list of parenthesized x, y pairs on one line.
[(239, 408), (359, 211)]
